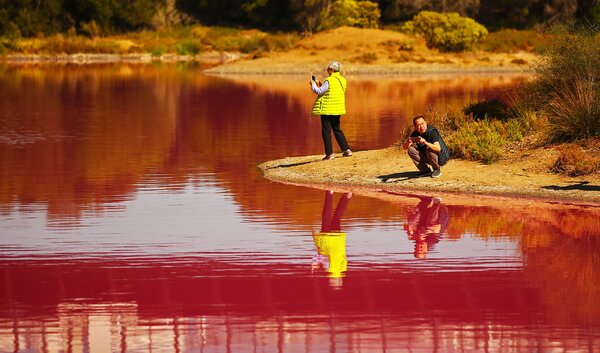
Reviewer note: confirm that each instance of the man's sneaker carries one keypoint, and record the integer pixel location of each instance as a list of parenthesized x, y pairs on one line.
[(424, 173), (329, 157), (436, 173), (347, 153)]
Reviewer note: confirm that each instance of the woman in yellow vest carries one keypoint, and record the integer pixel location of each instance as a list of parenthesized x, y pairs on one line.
[(331, 105)]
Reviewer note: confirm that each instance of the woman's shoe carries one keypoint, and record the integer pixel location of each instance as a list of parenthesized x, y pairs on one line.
[(329, 157), (347, 153)]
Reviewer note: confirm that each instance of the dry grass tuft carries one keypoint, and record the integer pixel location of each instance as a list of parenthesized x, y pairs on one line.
[(574, 161)]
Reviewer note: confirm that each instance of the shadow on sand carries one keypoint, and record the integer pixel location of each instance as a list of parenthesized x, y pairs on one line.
[(583, 186), (398, 177), (291, 164)]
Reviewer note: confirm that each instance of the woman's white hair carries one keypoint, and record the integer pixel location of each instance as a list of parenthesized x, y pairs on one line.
[(335, 66)]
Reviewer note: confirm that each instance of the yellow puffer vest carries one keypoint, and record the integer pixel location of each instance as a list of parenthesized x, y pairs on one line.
[(332, 102)]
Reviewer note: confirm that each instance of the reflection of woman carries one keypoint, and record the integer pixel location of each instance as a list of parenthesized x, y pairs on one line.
[(331, 105), (330, 242), (426, 224)]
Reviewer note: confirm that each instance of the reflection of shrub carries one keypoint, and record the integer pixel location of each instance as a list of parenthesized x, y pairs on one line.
[(493, 108), (573, 161), (446, 31)]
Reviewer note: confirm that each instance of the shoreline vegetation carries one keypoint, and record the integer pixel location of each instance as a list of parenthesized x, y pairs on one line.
[(540, 143), (227, 51)]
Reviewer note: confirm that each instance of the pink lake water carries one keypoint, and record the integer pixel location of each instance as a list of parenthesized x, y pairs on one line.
[(133, 219)]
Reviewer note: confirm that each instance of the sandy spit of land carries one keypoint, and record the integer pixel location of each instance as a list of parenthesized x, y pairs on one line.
[(390, 170)]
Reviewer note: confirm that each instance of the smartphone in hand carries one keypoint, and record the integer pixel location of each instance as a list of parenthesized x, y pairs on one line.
[(314, 78)]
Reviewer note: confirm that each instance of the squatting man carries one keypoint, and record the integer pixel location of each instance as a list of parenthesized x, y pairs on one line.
[(426, 148)]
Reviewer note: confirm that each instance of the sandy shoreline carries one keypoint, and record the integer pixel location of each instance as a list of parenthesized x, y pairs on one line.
[(390, 170), (212, 58), (225, 63)]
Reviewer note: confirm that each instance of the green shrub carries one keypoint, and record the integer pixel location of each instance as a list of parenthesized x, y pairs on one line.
[(91, 29), (513, 130), (363, 14), (493, 108), (280, 41), (565, 93), (187, 48), (512, 40), (572, 56), (478, 140), (158, 51), (446, 31), (249, 45), (367, 14)]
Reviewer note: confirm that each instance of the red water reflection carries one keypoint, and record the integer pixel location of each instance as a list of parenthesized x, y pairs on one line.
[(223, 301), (76, 141), (547, 300)]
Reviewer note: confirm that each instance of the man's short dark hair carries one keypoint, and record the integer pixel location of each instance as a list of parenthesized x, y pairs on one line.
[(417, 118)]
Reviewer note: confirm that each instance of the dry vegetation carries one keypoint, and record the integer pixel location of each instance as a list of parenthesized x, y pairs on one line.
[(376, 51)]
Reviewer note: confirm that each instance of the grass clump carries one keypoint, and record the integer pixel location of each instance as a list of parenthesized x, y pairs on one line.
[(574, 111), (567, 85), (247, 41), (574, 161), (366, 58)]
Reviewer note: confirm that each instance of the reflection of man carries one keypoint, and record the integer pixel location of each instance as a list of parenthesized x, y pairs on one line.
[(426, 224), (330, 242)]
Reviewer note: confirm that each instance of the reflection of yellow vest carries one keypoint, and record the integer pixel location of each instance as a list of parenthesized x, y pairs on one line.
[(333, 245), (332, 102)]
